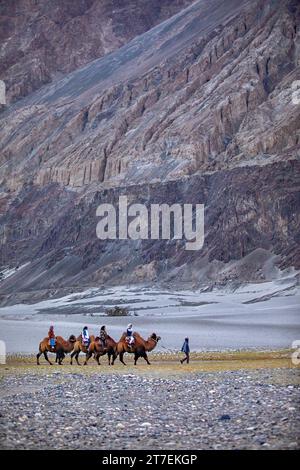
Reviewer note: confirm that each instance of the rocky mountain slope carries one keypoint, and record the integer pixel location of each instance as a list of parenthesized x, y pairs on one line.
[(42, 40), (198, 109)]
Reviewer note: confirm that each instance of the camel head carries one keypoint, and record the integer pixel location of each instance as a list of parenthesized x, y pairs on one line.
[(72, 339), (155, 337)]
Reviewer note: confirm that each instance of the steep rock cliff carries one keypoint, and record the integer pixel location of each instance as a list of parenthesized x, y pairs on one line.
[(201, 108)]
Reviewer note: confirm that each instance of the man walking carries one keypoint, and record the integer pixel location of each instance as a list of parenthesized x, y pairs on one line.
[(186, 349)]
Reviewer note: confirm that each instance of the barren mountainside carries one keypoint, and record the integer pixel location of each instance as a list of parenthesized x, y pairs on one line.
[(44, 39), (196, 109)]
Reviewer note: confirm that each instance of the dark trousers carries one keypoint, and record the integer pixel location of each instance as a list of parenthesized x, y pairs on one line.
[(187, 358)]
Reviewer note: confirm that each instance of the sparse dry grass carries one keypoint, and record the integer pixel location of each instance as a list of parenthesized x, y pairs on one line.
[(163, 364)]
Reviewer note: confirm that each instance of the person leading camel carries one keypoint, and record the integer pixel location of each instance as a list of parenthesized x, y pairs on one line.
[(186, 349)]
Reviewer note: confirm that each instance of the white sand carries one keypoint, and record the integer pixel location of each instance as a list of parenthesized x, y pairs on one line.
[(214, 320)]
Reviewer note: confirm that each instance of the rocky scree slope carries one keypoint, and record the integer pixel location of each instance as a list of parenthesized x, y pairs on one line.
[(42, 40), (198, 109)]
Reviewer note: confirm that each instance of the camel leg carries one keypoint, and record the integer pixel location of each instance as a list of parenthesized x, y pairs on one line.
[(87, 357), (144, 355), (38, 358), (57, 356), (61, 355), (96, 357), (46, 357), (72, 355), (121, 358), (76, 358), (114, 357), (136, 356)]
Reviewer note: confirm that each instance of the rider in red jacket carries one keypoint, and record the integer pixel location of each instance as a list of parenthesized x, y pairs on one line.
[(51, 336)]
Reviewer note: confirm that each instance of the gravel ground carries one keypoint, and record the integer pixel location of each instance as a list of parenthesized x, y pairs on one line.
[(232, 410)]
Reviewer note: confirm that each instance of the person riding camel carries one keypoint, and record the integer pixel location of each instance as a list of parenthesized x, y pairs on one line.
[(103, 335), (51, 336), (129, 335), (85, 336)]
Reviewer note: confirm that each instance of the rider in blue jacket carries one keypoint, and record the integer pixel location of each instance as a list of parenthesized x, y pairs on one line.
[(85, 336)]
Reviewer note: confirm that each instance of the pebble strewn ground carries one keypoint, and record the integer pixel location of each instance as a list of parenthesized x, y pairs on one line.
[(234, 409)]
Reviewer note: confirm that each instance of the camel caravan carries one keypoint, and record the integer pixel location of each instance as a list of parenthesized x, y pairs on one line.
[(130, 342)]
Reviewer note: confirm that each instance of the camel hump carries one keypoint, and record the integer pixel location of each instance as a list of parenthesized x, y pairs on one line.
[(44, 342), (60, 341), (136, 335), (77, 345), (123, 337)]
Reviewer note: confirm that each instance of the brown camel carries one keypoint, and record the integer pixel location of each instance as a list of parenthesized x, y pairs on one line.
[(80, 347), (139, 348), (96, 347), (61, 348)]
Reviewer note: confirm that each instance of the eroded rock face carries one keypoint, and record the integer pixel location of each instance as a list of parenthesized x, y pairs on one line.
[(251, 212), (199, 108), (43, 39), (197, 93)]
